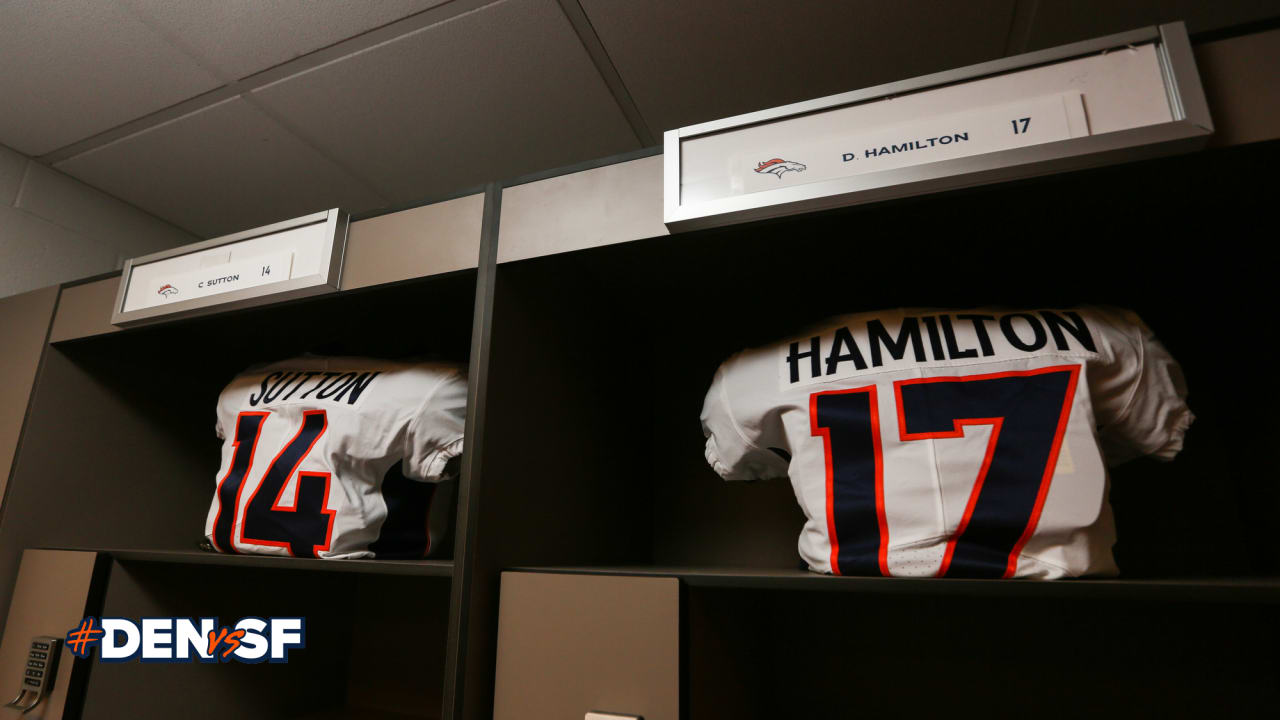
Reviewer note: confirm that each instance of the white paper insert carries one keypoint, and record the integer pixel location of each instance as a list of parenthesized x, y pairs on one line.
[(854, 151), (218, 279)]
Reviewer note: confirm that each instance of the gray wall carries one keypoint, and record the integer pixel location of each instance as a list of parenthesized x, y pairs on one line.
[(54, 228)]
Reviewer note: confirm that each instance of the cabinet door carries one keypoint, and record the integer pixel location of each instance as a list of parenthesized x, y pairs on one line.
[(53, 593), (569, 644)]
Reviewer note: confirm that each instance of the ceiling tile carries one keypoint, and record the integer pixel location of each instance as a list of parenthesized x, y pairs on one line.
[(73, 68), (487, 95), (228, 167), (242, 37), (688, 62), (1061, 23)]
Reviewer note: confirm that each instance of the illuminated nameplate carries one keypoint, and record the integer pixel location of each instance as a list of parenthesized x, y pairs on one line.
[(281, 261), (218, 279), (845, 151), (1122, 97)]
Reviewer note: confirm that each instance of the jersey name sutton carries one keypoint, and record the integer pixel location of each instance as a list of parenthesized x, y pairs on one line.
[(308, 443), (951, 443)]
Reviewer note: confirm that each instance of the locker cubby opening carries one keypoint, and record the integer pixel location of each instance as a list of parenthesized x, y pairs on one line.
[(601, 358), (375, 645), (120, 442), (768, 654)]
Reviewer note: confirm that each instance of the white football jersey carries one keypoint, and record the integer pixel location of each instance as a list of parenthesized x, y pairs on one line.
[(308, 443), (951, 443)]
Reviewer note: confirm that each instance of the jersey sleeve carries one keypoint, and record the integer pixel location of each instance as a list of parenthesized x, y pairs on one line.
[(739, 440), (435, 431), (1143, 410)]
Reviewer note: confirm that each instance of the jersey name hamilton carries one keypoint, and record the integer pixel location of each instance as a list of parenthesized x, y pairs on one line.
[(929, 338), (971, 443), (319, 454)]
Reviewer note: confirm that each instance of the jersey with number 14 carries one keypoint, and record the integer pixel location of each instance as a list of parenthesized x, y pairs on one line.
[(309, 456), (942, 443)]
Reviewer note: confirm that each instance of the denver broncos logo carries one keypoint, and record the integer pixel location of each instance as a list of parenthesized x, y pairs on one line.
[(777, 166), (167, 290)]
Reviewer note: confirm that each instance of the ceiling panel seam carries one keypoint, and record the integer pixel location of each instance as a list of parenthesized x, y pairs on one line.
[(232, 84), (243, 86), (139, 125), (608, 72), (176, 42)]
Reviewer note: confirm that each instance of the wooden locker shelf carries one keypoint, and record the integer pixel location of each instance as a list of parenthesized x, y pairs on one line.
[(440, 568), (362, 713), (1227, 590)]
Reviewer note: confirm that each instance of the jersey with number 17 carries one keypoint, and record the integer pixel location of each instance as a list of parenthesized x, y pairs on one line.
[(951, 443)]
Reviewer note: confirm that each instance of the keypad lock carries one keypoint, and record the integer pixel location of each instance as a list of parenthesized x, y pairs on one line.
[(38, 674)]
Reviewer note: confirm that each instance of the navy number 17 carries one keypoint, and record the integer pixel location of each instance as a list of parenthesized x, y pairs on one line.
[(1027, 412)]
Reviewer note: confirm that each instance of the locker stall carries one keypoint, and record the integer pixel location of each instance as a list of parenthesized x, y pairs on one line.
[(613, 349), (119, 451), (630, 325)]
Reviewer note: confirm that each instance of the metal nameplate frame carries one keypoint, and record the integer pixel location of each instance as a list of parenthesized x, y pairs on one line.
[(1190, 128), (326, 280)]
